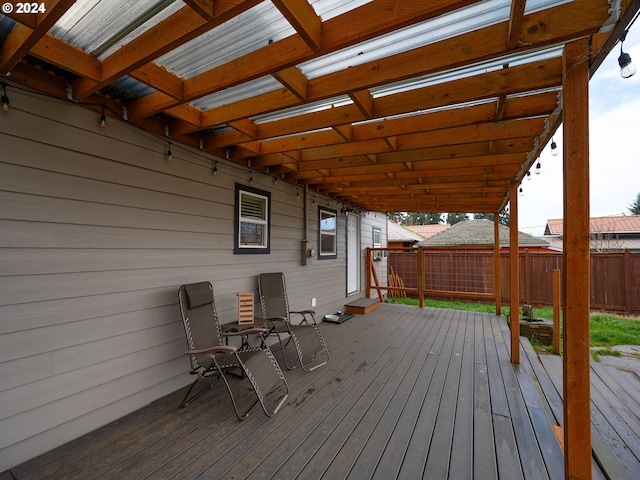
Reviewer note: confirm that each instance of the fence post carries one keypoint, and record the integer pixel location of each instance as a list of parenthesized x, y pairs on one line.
[(420, 279), (527, 277), (556, 311), (627, 281)]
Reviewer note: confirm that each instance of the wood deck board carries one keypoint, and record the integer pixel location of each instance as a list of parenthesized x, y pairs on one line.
[(408, 392)]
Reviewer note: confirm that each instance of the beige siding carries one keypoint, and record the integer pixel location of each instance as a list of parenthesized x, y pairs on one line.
[(97, 231)]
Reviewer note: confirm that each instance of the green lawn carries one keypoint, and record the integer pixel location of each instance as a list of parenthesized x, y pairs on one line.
[(605, 329)]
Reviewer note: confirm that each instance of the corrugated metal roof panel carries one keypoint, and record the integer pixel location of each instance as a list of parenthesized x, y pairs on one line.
[(246, 33), (238, 93), (100, 27)]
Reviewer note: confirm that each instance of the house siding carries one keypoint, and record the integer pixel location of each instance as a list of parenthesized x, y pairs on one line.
[(98, 228)]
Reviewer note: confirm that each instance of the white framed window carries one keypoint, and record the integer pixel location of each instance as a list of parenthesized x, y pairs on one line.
[(252, 220), (327, 233)]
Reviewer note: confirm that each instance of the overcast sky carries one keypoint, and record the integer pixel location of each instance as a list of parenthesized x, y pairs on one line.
[(614, 148)]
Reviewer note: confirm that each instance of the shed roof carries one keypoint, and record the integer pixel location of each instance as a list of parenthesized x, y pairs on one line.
[(386, 105), (479, 232), (399, 233), (428, 231)]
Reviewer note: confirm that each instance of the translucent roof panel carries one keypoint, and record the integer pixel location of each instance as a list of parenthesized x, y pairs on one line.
[(241, 35), (238, 93), (304, 109), (327, 9), (473, 17), (100, 27), (477, 69)]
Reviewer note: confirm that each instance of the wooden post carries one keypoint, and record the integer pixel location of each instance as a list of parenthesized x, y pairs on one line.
[(576, 269), (556, 311), (627, 281), (369, 265), (420, 279), (496, 263), (526, 276), (514, 269)]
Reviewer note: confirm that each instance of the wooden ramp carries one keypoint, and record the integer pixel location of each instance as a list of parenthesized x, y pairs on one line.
[(362, 306)]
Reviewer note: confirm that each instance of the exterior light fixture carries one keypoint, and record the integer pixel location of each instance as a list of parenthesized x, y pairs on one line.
[(5, 99), (521, 192), (214, 171), (538, 167), (169, 153), (554, 148), (529, 176), (627, 69), (103, 119)]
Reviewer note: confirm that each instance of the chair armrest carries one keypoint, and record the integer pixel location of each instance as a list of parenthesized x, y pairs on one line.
[(214, 350), (303, 312), (248, 331)]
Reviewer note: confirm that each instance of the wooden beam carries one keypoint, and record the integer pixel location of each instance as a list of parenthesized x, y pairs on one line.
[(530, 77), (293, 79), (576, 269), (516, 16), (304, 19), (587, 16), (23, 38), (364, 101), (204, 8)]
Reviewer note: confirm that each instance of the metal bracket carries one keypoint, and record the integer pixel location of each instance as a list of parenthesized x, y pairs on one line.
[(615, 10)]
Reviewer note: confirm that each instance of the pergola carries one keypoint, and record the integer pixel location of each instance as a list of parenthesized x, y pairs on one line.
[(383, 105)]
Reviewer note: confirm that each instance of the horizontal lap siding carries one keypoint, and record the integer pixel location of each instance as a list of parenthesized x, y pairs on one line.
[(97, 231)]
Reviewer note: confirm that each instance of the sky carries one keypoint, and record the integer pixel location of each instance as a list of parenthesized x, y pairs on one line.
[(614, 148)]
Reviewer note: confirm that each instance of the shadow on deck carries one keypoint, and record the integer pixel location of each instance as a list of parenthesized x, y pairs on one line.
[(408, 393)]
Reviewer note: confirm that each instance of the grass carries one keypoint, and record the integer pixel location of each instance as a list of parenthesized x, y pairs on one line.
[(606, 330)]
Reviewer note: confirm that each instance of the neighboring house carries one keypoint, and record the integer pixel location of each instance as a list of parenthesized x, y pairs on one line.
[(100, 228), (476, 233), (608, 234), (401, 237), (428, 231)]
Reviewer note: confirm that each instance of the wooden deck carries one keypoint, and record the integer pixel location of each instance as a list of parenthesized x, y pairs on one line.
[(408, 393)]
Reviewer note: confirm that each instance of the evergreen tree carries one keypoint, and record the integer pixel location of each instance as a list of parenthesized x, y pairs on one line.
[(634, 208), (503, 217)]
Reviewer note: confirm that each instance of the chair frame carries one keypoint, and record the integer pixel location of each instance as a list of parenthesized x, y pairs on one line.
[(229, 353), (307, 318)]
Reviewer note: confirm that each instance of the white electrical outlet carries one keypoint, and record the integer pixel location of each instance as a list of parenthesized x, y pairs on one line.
[(313, 302)]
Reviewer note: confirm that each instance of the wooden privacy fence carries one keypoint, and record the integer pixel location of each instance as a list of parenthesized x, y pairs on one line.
[(615, 277)]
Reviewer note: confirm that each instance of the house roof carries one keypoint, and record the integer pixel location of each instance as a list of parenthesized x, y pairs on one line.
[(625, 224), (387, 105), (479, 232), (399, 233), (428, 231)]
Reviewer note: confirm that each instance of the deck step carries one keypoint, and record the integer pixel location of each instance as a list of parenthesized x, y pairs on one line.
[(362, 305)]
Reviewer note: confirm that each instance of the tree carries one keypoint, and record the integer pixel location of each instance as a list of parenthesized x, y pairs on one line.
[(414, 218), (453, 218), (503, 217), (634, 208)]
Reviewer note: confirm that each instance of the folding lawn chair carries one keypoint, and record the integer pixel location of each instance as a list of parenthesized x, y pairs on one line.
[(305, 335), (210, 357)]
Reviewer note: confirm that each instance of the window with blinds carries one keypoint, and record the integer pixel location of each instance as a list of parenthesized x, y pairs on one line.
[(252, 220)]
